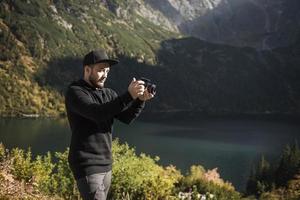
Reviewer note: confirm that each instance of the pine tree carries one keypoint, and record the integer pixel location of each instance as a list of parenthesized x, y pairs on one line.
[(251, 187), (260, 180), (289, 164)]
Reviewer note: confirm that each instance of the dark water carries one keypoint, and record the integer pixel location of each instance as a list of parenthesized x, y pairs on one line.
[(232, 145)]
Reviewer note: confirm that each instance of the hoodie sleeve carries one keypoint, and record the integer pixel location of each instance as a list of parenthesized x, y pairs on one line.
[(81, 103), (131, 112)]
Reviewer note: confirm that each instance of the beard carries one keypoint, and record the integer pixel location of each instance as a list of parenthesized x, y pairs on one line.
[(97, 83)]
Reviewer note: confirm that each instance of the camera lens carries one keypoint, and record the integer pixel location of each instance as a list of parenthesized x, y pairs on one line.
[(152, 89), (150, 86)]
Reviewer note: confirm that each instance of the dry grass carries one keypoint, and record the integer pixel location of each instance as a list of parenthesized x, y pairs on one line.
[(11, 188)]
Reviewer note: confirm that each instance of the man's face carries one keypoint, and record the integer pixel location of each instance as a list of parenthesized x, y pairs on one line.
[(97, 74)]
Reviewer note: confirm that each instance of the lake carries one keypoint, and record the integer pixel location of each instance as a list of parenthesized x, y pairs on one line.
[(232, 144)]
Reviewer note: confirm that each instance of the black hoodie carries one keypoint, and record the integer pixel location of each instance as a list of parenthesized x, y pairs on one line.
[(91, 112)]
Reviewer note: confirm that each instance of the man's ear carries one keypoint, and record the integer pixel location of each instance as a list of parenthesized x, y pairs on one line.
[(87, 69)]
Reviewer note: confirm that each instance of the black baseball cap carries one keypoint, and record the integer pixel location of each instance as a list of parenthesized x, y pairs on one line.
[(98, 56)]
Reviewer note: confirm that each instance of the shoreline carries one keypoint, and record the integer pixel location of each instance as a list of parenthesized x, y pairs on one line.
[(164, 116), (195, 116)]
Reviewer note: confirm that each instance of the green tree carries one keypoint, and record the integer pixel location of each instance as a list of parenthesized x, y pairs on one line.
[(251, 187), (289, 164), (261, 179)]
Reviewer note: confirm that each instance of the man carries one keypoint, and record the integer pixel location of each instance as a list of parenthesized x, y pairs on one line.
[(91, 110)]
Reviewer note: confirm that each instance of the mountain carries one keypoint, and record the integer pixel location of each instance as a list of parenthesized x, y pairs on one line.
[(225, 79), (42, 45), (261, 24), (35, 35)]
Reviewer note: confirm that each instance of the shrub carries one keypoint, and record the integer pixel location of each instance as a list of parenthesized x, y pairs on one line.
[(2, 152), (42, 173), (140, 177), (198, 181), (291, 192), (63, 181), (137, 177), (21, 164)]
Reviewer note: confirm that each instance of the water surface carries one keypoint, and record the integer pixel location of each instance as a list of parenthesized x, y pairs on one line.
[(230, 144)]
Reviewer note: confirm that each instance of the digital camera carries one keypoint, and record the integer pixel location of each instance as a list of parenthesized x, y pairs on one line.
[(149, 85)]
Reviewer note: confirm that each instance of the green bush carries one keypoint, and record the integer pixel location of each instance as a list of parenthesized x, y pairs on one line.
[(38, 171), (137, 177), (22, 164), (290, 192), (42, 173), (64, 183), (2, 152), (198, 181), (140, 177)]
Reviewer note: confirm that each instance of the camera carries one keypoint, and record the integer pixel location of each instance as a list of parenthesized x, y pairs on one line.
[(149, 85)]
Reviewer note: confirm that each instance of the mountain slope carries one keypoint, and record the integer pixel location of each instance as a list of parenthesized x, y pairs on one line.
[(34, 34), (224, 79), (43, 44), (261, 24)]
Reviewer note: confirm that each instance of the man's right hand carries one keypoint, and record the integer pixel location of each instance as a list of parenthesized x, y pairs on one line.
[(136, 88)]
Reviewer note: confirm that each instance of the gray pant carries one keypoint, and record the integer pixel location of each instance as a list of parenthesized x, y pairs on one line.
[(95, 186)]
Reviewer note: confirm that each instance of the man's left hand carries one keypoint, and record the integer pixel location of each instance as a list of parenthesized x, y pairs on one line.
[(146, 96)]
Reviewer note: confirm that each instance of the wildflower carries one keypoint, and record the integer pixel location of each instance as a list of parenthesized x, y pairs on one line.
[(181, 195)]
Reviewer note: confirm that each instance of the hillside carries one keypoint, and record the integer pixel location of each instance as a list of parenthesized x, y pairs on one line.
[(42, 44), (35, 35)]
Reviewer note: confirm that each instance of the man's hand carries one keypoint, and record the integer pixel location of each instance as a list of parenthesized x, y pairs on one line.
[(146, 96), (136, 88)]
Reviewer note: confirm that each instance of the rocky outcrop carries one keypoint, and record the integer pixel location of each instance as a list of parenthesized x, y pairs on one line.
[(262, 24)]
